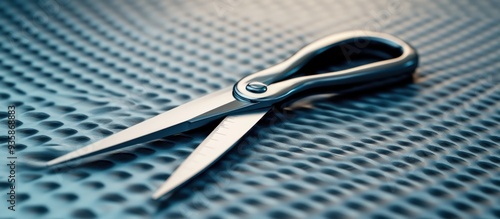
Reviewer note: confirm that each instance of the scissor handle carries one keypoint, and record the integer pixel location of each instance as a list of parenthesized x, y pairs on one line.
[(268, 85)]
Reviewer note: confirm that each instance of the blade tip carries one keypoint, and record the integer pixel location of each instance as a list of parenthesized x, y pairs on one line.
[(52, 162), (164, 192), (58, 160), (64, 158), (160, 195)]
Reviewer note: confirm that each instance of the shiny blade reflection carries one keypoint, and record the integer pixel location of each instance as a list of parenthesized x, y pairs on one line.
[(182, 118), (225, 136)]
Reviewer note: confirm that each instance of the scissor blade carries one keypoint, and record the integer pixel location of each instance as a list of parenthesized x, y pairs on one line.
[(222, 138), (182, 118)]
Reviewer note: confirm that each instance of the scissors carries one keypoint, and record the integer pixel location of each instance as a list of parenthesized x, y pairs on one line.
[(245, 103)]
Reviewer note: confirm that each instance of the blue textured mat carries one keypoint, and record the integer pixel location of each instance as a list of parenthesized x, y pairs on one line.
[(81, 70)]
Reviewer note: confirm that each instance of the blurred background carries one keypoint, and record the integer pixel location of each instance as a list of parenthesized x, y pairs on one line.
[(79, 71)]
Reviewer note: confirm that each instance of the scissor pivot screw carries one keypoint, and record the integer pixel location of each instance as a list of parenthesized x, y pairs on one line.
[(256, 87)]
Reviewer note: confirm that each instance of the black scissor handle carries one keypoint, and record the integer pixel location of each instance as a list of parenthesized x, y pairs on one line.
[(268, 85)]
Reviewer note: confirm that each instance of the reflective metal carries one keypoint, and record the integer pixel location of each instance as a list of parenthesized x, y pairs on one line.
[(248, 100)]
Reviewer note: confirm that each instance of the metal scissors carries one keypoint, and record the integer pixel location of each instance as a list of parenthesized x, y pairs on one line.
[(244, 104)]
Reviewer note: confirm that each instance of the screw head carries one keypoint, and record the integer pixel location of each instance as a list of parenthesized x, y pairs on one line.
[(256, 87)]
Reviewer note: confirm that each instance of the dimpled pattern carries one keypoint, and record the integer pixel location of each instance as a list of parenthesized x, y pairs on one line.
[(79, 71)]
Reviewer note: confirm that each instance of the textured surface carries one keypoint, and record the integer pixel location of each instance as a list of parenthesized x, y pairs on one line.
[(81, 70)]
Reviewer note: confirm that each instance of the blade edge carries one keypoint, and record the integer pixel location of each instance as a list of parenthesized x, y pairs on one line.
[(231, 129), (176, 120)]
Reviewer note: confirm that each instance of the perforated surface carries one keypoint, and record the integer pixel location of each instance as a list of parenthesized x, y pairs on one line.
[(81, 70)]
